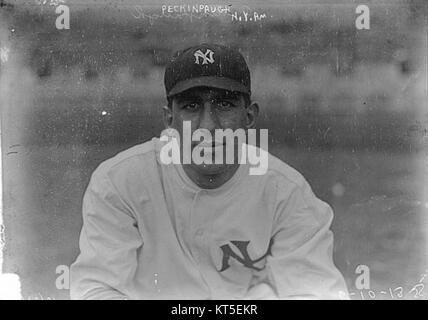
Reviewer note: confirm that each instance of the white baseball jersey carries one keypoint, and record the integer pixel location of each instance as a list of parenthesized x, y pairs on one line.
[(149, 232)]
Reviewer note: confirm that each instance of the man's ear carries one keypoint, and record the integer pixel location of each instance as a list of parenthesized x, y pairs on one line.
[(167, 116), (252, 115)]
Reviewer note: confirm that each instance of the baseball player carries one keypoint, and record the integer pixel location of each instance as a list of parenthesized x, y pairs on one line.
[(203, 231)]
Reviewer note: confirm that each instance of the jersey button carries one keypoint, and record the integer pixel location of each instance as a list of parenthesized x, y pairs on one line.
[(199, 232)]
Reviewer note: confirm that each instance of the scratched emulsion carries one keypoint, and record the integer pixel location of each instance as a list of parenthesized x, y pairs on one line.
[(345, 107), (4, 56), (10, 287)]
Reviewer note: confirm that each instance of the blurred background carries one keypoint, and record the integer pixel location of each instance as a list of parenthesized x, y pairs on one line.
[(345, 107)]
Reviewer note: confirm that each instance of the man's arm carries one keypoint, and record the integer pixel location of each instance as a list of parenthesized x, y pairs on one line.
[(109, 241), (301, 261)]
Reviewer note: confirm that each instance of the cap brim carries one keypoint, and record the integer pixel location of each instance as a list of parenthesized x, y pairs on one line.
[(215, 82)]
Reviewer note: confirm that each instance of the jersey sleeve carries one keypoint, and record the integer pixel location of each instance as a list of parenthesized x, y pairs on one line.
[(109, 240), (301, 261)]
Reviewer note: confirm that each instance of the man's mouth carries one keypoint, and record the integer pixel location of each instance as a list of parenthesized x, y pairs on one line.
[(210, 146)]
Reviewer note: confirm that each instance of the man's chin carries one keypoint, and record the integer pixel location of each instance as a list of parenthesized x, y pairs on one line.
[(211, 169)]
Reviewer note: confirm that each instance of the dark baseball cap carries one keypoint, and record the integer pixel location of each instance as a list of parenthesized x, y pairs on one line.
[(207, 65)]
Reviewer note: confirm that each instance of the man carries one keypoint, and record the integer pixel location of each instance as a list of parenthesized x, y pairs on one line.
[(196, 230)]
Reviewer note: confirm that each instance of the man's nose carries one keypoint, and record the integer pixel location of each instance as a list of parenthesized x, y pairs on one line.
[(208, 118)]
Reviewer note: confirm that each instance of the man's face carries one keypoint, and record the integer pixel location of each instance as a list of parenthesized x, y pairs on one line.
[(210, 109)]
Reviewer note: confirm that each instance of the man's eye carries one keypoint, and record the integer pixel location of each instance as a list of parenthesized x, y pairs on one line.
[(225, 104), (191, 106)]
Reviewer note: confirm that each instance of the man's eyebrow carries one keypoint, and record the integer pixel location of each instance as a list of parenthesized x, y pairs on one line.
[(227, 95), (186, 96)]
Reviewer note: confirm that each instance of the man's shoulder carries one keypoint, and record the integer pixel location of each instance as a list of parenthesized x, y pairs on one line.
[(288, 181), (285, 173), (129, 161)]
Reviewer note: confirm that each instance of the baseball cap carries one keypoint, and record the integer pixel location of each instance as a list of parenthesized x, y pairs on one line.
[(209, 65)]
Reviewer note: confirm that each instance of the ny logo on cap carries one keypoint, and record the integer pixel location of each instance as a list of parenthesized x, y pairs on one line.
[(208, 56)]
